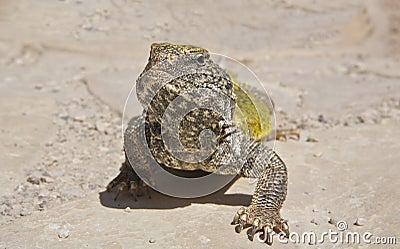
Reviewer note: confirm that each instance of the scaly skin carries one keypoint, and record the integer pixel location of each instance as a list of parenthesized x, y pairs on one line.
[(173, 71)]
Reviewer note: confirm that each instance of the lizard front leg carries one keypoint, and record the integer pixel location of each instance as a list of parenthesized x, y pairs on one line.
[(263, 214), (127, 179)]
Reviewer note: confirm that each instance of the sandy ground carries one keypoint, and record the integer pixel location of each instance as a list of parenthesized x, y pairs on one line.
[(331, 67)]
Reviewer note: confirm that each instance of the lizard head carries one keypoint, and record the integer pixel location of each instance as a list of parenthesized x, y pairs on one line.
[(178, 56), (162, 51), (167, 62)]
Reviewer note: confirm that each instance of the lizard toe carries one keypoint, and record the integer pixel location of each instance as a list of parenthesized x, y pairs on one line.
[(267, 222)]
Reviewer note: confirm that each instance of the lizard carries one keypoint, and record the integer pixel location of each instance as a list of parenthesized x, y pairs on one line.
[(173, 70)]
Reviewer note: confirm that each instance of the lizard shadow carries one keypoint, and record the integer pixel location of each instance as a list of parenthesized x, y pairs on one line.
[(161, 201)]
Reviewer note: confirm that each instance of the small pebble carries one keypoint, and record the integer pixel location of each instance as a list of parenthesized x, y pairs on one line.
[(152, 240), (63, 116), (80, 118), (63, 234), (102, 126), (20, 189), (317, 155), (127, 210), (38, 87), (311, 140), (360, 222), (332, 221), (33, 180), (315, 210), (24, 213), (314, 222), (40, 207)]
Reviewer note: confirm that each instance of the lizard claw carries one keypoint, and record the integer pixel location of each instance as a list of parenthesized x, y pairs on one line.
[(268, 234), (241, 223), (237, 216), (239, 227), (283, 230), (254, 229), (261, 220), (121, 187), (128, 181), (135, 186)]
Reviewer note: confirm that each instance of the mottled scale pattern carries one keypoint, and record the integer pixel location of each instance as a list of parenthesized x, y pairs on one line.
[(186, 75)]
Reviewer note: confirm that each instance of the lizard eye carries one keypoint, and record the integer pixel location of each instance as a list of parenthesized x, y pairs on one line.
[(200, 59)]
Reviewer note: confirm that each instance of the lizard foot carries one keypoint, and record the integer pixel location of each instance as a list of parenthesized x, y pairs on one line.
[(260, 220), (283, 134), (135, 188), (127, 180)]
